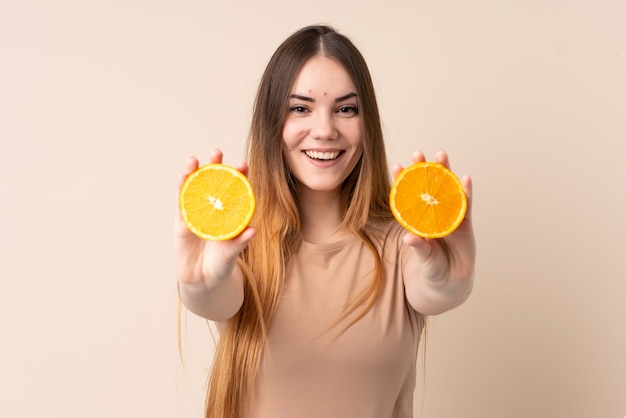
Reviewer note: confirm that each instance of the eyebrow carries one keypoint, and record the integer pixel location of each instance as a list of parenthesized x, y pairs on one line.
[(312, 100)]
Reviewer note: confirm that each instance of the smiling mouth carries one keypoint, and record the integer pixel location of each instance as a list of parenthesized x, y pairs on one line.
[(323, 156)]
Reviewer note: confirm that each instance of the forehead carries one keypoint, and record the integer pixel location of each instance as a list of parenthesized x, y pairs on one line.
[(321, 75)]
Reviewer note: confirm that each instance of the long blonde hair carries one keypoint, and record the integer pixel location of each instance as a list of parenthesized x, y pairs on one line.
[(364, 197)]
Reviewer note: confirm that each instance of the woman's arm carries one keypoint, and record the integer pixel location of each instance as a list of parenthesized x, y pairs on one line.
[(439, 273), (210, 283)]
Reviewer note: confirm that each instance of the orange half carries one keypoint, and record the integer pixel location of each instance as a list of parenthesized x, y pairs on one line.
[(428, 200), (217, 202)]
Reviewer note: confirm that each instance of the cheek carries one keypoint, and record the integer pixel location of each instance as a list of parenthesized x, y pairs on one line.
[(288, 144), (288, 155), (290, 135), (352, 131), (357, 143), (358, 135)]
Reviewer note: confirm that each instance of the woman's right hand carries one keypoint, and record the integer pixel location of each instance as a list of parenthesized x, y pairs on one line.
[(204, 261)]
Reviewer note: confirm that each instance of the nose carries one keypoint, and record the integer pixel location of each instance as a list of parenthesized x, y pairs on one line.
[(323, 126)]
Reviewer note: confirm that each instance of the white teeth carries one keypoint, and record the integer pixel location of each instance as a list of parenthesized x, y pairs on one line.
[(322, 155)]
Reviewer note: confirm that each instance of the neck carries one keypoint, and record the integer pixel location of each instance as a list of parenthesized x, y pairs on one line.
[(320, 216)]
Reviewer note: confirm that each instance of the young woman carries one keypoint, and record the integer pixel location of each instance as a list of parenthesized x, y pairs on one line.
[(321, 302)]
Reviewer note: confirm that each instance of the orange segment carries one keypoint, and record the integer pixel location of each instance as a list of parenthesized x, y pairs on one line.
[(428, 200), (217, 202)]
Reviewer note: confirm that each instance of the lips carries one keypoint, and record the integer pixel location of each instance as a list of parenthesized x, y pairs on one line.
[(323, 155)]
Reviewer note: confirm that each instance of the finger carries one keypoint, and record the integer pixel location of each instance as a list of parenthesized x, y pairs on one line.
[(441, 157), (465, 228), (397, 169), (466, 181), (418, 157), (190, 167), (243, 168), (216, 156)]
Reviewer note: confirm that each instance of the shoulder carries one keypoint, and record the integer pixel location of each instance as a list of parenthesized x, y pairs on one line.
[(387, 230), (388, 236)]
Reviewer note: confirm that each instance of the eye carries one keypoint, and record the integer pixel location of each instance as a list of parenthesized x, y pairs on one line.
[(298, 109), (348, 110)]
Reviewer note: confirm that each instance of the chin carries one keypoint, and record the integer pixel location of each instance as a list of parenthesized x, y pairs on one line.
[(322, 187)]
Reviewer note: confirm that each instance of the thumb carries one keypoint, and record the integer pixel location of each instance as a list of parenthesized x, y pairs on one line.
[(221, 256), (421, 246), (239, 243), (245, 237)]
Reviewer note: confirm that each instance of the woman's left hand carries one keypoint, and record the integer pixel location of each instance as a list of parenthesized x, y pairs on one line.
[(440, 275)]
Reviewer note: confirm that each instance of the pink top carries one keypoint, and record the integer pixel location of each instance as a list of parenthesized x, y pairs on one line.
[(312, 370)]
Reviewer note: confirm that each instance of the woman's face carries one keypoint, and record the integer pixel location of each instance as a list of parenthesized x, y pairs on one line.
[(322, 132)]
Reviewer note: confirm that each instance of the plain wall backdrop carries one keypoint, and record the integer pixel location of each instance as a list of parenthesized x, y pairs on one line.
[(101, 102)]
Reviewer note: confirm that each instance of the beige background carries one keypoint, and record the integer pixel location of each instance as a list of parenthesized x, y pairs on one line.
[(102, 101)]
